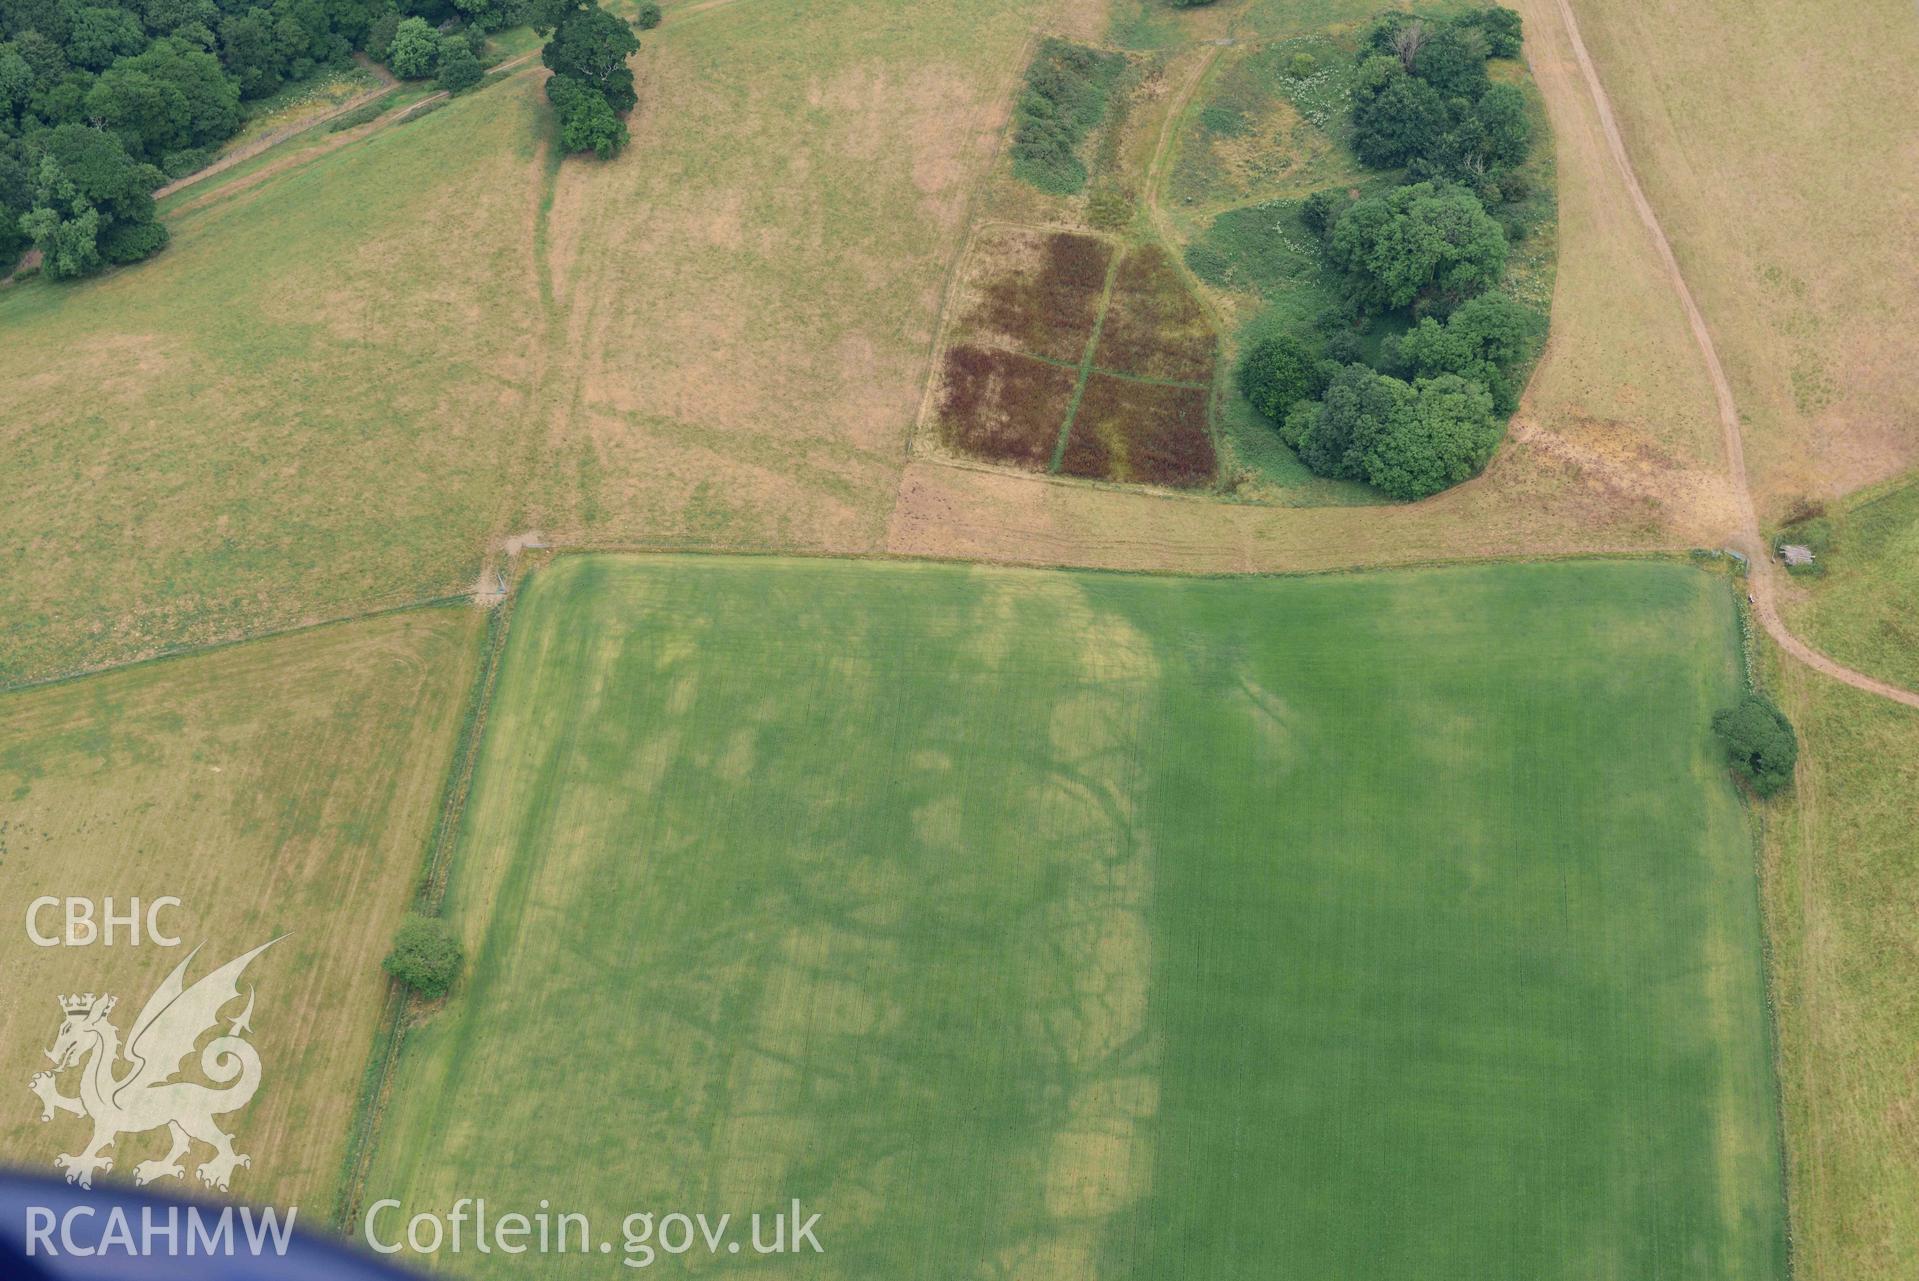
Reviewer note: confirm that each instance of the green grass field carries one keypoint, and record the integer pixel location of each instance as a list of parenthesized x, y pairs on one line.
[(1841, 894), (1842, 891), (1052, 925)]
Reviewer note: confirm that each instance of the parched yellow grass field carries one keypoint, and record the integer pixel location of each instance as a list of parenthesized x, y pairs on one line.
[(738, 312), (1777, 141), (361, 364), (288, 785), (308, 406)]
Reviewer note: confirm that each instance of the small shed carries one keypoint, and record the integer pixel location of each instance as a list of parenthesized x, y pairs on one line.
[(1795, 554)]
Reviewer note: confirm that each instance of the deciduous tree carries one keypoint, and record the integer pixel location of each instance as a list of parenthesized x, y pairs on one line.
[(1453, 61), (1333, 436), (1276, 371), (1444, 435), (459, 70), (1484, 340), (1396, 117), (1423, 246), (592, 46), (414, 51), (92, 203), (426, 956), (99, 34), (1501, 27), (1759, 742)]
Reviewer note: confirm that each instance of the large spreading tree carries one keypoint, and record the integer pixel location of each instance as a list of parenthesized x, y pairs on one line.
[(1334, 435), (1485, 340), (1422, 99), (1276, 371)]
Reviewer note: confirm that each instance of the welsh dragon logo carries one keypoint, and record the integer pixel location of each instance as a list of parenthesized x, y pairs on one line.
[(145, 1096)]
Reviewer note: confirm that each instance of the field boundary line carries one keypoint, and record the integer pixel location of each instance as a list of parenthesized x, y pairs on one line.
[(1215, 496), (1675, 556), (428, 893), (1760, 828), (242, 638), (1188, 383), (1765, 603), (431, 887), (1806, 786)]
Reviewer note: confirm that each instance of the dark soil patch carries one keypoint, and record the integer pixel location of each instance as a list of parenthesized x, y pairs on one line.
[(1001, 406), (1141, 432), (1155, 328), (1045, 307)]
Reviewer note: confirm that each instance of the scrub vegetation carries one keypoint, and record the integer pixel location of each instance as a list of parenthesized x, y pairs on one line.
[(1066, 93)]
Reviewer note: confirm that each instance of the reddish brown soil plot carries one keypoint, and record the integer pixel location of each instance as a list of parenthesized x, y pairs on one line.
[(1143, 432), (1040, 296), (1154, 327), (1002, 406)]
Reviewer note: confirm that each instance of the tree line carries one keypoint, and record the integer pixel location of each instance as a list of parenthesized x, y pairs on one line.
[(1427, 410), (101, 100)]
